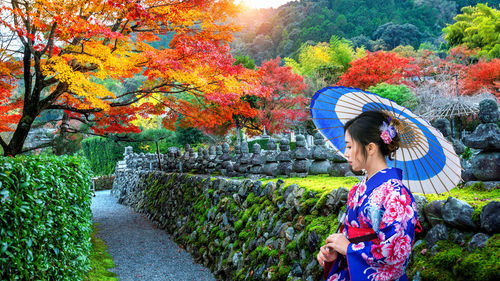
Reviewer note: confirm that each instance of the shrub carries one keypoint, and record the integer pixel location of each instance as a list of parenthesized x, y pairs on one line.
[(103, 154), (45, 218), (397, 93)]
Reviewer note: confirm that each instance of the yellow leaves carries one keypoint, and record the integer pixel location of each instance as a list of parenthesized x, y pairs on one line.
[(78, 84)]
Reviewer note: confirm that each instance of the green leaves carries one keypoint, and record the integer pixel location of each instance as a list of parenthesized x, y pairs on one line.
[(45, 218), (477, 27)]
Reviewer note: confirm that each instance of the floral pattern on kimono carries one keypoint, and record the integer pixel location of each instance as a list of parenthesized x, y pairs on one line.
[(385, 205)]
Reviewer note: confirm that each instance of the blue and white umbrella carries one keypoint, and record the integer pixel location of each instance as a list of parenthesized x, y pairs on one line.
[(428, 160)]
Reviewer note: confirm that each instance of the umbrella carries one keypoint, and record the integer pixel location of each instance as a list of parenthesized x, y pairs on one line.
[(455, 107), (428, 160)]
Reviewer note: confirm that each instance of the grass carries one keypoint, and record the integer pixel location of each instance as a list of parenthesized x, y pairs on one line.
[(319, 183), (475, 195), (100, 260)]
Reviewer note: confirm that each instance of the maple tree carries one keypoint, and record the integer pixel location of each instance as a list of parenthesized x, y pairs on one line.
[(485, 75), (378, 67), (285, 103), (62, 51), (280, 102)]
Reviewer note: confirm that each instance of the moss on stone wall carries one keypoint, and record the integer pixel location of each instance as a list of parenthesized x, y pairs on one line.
[(451, 261), (249, 230)]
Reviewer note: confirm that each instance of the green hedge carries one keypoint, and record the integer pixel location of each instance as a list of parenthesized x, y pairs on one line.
[(45, 218), (103, 154)]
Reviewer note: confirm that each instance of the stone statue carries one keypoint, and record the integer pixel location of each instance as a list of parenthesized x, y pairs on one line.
[(320, 155), (485, 166), (284, 158)]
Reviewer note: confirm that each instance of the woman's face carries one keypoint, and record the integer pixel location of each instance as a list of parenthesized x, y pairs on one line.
[(353, 153)]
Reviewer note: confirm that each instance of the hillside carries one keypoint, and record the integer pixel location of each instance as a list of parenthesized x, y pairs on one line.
[(377, 25)]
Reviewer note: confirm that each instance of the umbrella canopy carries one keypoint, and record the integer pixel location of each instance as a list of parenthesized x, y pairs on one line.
[(428, 160), (455, 107)]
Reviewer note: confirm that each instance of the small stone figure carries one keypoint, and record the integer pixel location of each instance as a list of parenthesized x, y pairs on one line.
[(320, 155), (218, 158), (211, 160), (257, 160), (271, 166), (301, 153), (227, 165), (237, 159), (284, 158), (485, 166), (245, 159)]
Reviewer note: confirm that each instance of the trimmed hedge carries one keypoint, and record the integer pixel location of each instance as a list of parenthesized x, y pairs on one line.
[(45, 218), (103, 154)]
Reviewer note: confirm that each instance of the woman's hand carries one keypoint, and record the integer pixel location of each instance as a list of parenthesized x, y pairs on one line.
[(326, 254), (338, 243)]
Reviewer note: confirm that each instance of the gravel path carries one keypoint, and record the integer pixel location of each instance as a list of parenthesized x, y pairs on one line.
[(139, 249)]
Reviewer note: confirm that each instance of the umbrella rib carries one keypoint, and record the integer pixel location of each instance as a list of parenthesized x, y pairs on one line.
[(338, 98), (335, 138), (314, 108), (336, 127), (433, 145), (438, 136), (437, 174), (331, 118), (336, 111), (414, 166), (445, 164), (376, 106), (355, 95)]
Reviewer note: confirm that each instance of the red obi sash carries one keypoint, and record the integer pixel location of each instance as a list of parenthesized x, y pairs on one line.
[(356, 235)]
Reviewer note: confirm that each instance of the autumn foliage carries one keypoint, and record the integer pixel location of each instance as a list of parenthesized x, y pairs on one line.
[(9, 106), (69, 47), (376, 68), (285, 102), (483, 76)]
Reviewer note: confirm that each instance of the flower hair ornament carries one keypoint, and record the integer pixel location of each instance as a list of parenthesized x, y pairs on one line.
[(388, 132)]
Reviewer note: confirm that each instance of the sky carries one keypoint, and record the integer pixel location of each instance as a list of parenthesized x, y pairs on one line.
[(264, 3)]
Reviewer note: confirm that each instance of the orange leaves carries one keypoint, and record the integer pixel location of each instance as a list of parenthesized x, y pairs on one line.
[(483, 76), (378, 67), (82, 44)]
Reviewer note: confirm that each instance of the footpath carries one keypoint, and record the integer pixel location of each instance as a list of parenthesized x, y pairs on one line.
[(139, 249)]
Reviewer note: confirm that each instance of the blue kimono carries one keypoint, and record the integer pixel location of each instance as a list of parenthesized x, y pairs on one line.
[(384, 206)]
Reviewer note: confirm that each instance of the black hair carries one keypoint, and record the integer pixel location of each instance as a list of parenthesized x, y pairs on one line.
[(365, 128)]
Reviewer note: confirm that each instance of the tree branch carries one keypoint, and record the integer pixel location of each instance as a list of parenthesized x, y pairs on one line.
[(43, 145), (72, 109)]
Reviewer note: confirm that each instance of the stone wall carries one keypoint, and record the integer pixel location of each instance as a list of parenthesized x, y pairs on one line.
[(247, 230), (238, 161)]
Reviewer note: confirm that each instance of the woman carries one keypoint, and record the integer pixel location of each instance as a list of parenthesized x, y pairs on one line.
[(381, 213)]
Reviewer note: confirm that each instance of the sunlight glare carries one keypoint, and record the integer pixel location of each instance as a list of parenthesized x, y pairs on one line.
[(257, 4)]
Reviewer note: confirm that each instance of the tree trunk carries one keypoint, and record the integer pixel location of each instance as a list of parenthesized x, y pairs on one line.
[(158, 154), (60, 147), (15, 146)]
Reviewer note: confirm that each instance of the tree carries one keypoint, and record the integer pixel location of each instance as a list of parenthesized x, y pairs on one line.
[(398, 34), (324, 61), (279, 105), (284, 105), (485, 75), (62, 51), (378, 67), (477, 27), (9, 116)]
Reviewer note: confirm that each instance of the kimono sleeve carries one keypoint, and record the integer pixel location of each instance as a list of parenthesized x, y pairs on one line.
[(391, 212)]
